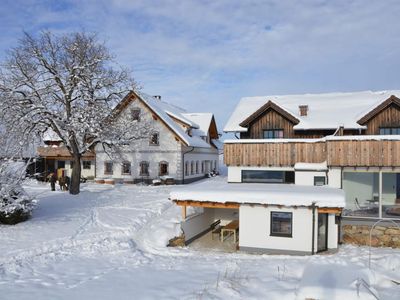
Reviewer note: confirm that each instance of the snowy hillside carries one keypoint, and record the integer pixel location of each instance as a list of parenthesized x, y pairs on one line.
[(109, 243)]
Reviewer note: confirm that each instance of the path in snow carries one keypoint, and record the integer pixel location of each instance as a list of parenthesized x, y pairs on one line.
[(109, 243)]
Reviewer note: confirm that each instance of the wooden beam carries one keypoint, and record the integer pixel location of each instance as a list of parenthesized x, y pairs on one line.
[(329, 210), (184, 212), (207, 204)]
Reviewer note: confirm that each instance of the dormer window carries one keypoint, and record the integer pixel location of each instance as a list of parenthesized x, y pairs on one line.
[(154, 139), (273, 134), (135, 114)]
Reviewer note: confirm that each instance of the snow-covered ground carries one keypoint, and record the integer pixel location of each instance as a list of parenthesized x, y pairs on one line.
[(109, 243)]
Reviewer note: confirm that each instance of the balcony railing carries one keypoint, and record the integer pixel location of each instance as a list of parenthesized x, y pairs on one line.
[(341, 151)]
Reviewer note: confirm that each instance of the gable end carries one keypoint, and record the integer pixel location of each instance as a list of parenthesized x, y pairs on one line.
[(263, 109)]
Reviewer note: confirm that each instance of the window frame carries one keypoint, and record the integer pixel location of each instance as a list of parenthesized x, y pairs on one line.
[(105, 168), (319, 177), (391, 129), (161, 163), (135, 111), (274, 134), (147, 164), (85, 164), (125, 163), (287, 235), (151, 143)]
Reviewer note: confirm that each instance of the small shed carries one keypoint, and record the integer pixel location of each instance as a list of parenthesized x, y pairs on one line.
[(270, 218)]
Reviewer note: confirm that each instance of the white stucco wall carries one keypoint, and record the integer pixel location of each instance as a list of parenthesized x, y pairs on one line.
[(195, 224), (307, 177), (254, 229), (335, 177), (332, 232), (255, 222), (235, 173), (84, 172), (207, 155), (169, 149)]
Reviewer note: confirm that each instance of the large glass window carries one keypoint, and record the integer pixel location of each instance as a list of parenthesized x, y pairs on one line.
[(281, 224), (391, 195), (362, 193), (319, 180), (262, 176), (273, 134), (389, 131)]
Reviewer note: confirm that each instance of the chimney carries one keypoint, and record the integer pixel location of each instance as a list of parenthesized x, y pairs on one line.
[(158, 97), (303, 110)]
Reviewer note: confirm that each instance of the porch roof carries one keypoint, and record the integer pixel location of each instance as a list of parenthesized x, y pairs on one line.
[(218, 191)]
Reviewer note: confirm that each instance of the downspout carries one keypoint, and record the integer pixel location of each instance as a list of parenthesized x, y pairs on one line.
[(313, 228), (184, 165)]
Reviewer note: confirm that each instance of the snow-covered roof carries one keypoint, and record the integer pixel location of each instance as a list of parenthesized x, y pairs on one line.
[(325, 111), (203, 120), (261, 193), (167, 112), (50, 136)]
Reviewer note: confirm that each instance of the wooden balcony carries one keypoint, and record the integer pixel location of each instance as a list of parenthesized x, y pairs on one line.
[(370, 151)]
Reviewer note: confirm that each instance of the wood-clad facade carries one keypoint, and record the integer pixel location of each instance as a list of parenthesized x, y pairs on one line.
[(269, 120), (337, 153), (389, 117)]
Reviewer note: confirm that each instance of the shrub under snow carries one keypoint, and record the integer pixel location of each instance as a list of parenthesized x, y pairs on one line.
[(15, 204)]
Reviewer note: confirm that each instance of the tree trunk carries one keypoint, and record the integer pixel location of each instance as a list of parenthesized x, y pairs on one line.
[(74, 188)]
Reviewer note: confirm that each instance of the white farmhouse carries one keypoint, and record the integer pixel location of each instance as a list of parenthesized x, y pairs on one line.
[(180, 145)]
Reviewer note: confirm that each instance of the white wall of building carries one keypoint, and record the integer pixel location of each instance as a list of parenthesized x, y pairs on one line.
[(307, 177), (169, 149), (196, 224), (254, 229), (87, 173), (332, 232), (255, 223)]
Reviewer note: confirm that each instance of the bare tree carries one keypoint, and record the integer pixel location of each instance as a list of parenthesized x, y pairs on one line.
[(70, 84)]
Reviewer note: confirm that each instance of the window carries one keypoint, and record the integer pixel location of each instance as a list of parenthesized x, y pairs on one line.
[(202, 167), (273, 134), (108, 167), (86, 164), (319, 180), (144, 168), (362, 193), (163, 168), (61, 164), (71, 164), (187, 168), (192, 168), (135, 114), (389, 131), (197, 167), (281, 224), (262, 176), (154, 139), (126, 168)]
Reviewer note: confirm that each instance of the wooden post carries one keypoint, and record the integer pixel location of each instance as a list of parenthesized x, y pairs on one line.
[(184, 212)]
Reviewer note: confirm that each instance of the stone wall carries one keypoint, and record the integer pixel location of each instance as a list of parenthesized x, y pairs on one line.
[(382, 236)]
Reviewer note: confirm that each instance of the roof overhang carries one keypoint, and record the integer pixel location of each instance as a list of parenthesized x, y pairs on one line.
[(383, 105)]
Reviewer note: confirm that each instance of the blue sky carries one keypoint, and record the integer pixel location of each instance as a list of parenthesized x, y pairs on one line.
[(206, 55)]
